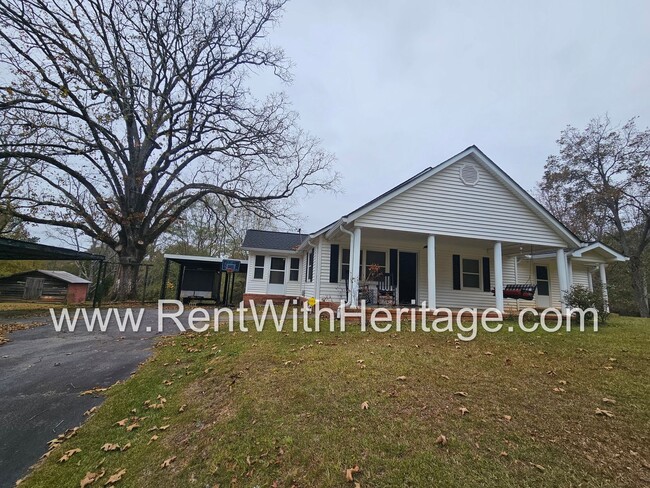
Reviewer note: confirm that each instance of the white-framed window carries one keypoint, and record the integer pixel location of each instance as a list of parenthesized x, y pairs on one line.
[(471, 272), (345, 264), (258, 273), (276, 275), (294, 269)]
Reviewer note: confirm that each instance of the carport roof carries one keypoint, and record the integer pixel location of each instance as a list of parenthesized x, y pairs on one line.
[(12, 249)]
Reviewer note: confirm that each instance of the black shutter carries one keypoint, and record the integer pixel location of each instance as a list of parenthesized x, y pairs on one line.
[(334, 263), (393, 266), (456, 267), (486, 275)]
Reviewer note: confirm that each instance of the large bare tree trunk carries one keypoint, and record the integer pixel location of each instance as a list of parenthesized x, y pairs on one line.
[(639, 285)]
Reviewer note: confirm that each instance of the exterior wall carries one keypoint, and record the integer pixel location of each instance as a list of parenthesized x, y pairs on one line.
[(260, 287), (77, 293), (12, 288), (443, 205)]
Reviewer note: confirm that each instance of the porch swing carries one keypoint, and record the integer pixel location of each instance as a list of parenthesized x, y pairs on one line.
[(524, 291)]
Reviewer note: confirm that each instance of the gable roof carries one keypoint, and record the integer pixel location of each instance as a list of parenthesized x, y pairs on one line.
[(272, 240), (481, 158), (600, 248)]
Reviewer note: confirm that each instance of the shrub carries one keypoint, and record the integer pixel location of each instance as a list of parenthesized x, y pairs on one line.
[(581, 297)]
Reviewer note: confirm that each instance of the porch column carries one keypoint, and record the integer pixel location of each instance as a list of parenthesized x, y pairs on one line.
[(355, 262), (590, 280), (562, 275), (569, 273), (431, 271), (498, 275), (603, 283)]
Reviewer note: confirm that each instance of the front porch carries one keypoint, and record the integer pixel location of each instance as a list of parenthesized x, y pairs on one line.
[(396, 269)]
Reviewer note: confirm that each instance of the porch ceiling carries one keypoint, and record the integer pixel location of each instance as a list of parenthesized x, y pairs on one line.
[(420, 240)]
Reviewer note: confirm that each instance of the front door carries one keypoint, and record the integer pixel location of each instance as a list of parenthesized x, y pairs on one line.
[(277, 276), (407, 277), (543, 287)]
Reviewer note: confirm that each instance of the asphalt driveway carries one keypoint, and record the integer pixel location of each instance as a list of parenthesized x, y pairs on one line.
[(42, 373)]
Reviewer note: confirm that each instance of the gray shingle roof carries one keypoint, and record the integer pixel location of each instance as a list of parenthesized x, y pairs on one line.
[(265, 239)]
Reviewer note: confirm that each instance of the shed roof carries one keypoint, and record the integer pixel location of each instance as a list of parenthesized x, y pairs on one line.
[(64, 276)]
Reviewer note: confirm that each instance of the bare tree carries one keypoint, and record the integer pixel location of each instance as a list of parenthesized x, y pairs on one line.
[(134, 110), (599, 185), (12, 177)]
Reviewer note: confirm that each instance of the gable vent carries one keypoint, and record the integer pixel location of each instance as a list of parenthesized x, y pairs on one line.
[(469, 174)]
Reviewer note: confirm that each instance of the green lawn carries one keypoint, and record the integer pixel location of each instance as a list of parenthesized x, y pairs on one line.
[(285, 410)]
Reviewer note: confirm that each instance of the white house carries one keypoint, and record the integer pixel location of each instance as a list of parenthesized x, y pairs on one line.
[(448, 236)]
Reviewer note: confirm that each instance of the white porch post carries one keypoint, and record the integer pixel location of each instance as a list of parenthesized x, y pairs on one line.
[(569, 273), (562, 275), (590, 280), (355, 261), (603, 283), (431, 271), (498, 276)]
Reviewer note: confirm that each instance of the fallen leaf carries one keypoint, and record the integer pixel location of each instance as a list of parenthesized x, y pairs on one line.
[(401, 378), (441, 440), (133, 426), (488, 353), (125, 447), (110, 447), (605, 413), (349, 473), (90, 478), (153, 439), (115, 477), (609, 400), (182, 408), (461, 393), (90, 412), (444, 376), (507, 418), (463, 410), (167, 462), (365, 406), (164, 427), (562, 382), (503, 454), (122, 423), (558, 390), (68, 454), (538, 467)]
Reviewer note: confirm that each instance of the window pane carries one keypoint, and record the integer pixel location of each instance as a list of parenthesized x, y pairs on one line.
[(345, 256), (293, 275), (542, 273), (259, 273), (277, 263), (470, 266), (259, 260), (542, 288), (276, 277), (345, 271), (295, 263), (470, 280), (375, 257)]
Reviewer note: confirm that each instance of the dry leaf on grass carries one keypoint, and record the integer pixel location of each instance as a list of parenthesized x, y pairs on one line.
[(365, 406), (605, 413), (153, 438), (90, 412), (488, 353), (133, 426), (557, 389), (121, 423), (182, 408), (90, 478), (349, 473), (503, 454), (167, 462), (68, 454), (441, 440), (110, 447), (539, 467), (164, 427), (444, 376), (461, 393), (463, 410), (125, 447), (507, 418), (115, 477), (401, 378), (609, 400)]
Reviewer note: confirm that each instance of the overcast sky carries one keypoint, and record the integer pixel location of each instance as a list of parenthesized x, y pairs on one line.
[(393, 87)]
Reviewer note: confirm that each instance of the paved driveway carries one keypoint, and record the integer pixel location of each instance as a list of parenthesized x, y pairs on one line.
[(42, 373)]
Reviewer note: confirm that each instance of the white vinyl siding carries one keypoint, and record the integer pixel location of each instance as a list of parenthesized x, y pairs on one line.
[(442, 204)]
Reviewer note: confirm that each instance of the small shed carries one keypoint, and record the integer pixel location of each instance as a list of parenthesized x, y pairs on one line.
[(44, 285)]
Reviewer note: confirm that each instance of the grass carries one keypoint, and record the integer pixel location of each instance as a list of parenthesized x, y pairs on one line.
[(285, 410)]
